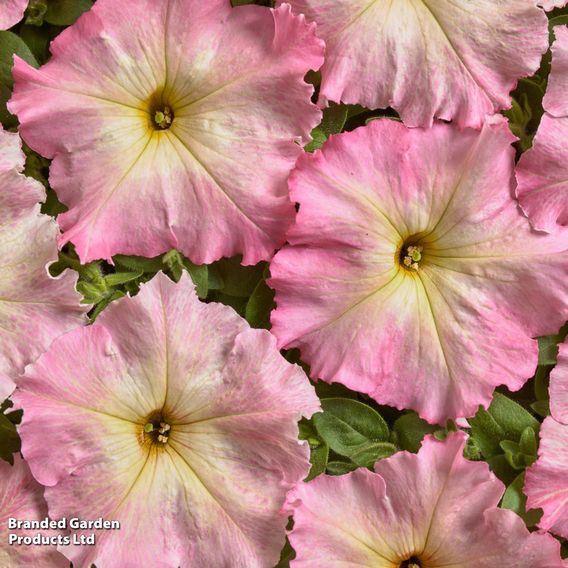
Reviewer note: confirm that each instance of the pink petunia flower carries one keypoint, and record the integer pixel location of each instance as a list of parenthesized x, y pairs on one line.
[(430, 510), (34, 307), (174, 418), (21, 499), (411, 275), (542, 171), (11, 12), (546, 485), (173, 124), (448, 59)]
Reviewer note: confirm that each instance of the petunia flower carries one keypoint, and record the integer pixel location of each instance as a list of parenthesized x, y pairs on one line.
[(173, 124), (546, 485), (542, 171), (448, 59), (34, 307), (21, 499), (174, 418), (11, 12), (430, 510), (411, 275)]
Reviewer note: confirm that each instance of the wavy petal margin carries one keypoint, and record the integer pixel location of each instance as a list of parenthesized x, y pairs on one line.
[(434, 507), (439, 339), (449, 59), (212, 181), (212, 493), (542, 172), (21, 498), (34, 307)]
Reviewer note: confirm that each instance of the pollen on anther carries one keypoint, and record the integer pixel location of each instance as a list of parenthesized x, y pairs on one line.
[(413, 257)]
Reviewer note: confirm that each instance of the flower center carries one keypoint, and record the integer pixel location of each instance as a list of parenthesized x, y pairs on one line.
[(412, 562), (164, 118), (410, 256), (156, 430), (160, 110)]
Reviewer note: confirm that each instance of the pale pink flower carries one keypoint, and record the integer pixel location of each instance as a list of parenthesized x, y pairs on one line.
[(173, 124), (542, 171), (411, 275), (546, 485), (174, 418), (449, 59), (34, 307), (433, 509), (21, 498), (11, 12)]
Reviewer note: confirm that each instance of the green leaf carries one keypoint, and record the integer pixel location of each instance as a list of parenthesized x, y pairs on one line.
[(334, 118), (504, 420), (410, 430), (66, 12), (215, 281), (318, 140), (10, 45), (340, 467), (318, 458), (502, 469), (528, 444), (239, 280), (259, 306), (200, 276), (102, 304), (352, 429), (173, 263), (139, 263), (37, 39), (368, 454), (515, 500), (541, 407), (333, 121), (9, 439), (119, 278), (547, 350)]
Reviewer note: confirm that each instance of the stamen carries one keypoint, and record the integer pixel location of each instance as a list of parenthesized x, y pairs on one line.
[(163, 118), (413, 257)]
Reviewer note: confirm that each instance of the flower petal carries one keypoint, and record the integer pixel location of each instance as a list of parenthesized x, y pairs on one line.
[(444, 59), (34, 307), (212, 493), (559, 386), (440, 339), (21, 498), (435, 506), (214, 183), (542, 172), (545, 484), (11, 12)]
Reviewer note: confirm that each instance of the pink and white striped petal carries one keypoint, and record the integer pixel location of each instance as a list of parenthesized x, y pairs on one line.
[(34, 307), (173, 124), (176, 419)]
